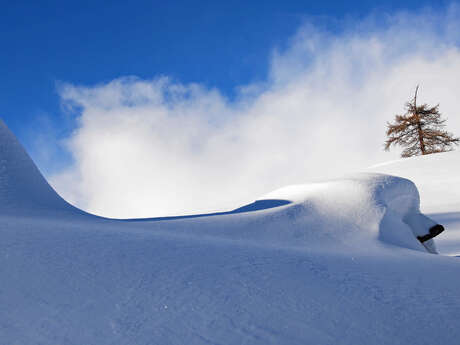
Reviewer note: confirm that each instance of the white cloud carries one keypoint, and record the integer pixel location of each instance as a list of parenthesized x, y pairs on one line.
[(156, 147)]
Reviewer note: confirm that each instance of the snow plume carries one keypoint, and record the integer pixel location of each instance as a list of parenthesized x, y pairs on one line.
[(157, 147)]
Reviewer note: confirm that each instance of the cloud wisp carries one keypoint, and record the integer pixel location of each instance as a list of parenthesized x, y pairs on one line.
[(146, 148)]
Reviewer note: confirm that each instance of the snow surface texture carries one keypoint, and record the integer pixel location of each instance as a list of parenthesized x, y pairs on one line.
[(326, 263)]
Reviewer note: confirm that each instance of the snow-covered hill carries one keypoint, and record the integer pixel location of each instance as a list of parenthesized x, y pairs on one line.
[(325, 263)]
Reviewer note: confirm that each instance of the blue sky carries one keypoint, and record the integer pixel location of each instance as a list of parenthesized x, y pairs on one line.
[(229, 97), (219, 44)]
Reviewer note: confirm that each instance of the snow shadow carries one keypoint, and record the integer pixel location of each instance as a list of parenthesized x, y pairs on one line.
[(446, 217), (255, 206)]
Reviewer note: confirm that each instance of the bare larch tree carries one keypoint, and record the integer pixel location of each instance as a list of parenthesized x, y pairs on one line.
[(420, 131)]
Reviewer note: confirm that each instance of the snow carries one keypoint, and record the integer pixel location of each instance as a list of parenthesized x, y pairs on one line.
[(438, 182), (436, 177), (324, 263)]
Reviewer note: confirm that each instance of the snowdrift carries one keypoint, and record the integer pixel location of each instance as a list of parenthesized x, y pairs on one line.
[(356, 211), (332, 262), (436, 176), (439, 185)]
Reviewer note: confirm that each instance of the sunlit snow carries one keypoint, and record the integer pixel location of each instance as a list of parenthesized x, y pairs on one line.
[(335, 262)]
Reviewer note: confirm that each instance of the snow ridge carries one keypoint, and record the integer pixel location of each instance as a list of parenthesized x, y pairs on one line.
[(23, 189)]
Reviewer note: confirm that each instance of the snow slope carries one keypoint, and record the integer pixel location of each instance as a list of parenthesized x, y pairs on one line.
[(326, 263), (23, 190)]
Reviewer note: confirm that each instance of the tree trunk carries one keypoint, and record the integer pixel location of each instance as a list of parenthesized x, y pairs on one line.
[(419, 125)]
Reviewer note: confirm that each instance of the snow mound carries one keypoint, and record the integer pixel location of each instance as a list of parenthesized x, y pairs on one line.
[(435, 175), (358, 210), (438, 181), (23, 189)]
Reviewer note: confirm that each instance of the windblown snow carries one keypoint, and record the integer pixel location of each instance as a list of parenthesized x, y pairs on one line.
[(336, 262)]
